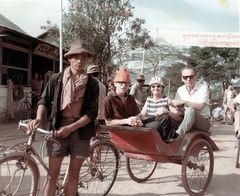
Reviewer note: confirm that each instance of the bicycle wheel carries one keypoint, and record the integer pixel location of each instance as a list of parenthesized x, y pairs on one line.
[(218, 113), (17, 176), (197, 167), (140, 170), (43, 151), (24, 111), (99, 171), (237, 153)]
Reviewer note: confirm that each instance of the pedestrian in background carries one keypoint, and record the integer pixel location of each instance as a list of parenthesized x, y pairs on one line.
[(227, 100), (94, 71), (111, 87), (137, 90)]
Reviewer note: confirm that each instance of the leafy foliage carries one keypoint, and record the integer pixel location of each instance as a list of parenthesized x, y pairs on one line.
[(161, 56), (216, 65), (172, 77), (108, 25)]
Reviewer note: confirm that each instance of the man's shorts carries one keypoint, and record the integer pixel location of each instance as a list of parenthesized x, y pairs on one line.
[(72, 145)]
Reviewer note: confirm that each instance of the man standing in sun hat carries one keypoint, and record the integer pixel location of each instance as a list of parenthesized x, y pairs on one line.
[(136, 90), (94, 71), (121, 108), (73, 95)]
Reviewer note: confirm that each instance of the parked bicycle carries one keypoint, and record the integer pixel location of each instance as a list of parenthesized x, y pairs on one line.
[(216, 111), (20, 175), (25, 109)]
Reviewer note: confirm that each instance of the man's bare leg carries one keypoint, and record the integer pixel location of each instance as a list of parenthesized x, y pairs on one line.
[(52, 176), (73, 176)]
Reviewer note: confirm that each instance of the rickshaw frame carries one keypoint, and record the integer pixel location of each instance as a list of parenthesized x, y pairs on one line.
[(146, 144)]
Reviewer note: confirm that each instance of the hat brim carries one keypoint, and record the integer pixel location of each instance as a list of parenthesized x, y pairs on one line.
[(83, 51), (157, 83), (90, 72)]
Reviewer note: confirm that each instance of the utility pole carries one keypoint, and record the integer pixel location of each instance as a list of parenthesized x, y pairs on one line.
[(60, 41), (143, 57)]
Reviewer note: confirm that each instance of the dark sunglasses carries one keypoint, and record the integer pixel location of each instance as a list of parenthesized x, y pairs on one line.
[(158, 86), (190, 77), (141, 80)]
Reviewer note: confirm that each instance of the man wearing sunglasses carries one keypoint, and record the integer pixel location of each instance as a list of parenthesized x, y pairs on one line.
[(136, 90), (194, 95)]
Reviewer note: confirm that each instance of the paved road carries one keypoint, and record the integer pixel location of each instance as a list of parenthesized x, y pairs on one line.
[(166, 180)]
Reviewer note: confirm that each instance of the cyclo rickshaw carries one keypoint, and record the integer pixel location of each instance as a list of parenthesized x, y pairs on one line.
[(144, 148)]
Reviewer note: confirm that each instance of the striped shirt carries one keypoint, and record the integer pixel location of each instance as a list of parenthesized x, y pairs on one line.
[(154, 105)]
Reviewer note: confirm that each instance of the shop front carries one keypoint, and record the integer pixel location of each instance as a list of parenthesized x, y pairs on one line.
[(24, 61)]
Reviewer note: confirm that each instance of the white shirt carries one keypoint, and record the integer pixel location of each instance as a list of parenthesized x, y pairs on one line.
[(102, 95), (199, 94), (237, 98), (136, 92)]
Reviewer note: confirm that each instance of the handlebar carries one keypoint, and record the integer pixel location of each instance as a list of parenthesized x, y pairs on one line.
[(24, 124)]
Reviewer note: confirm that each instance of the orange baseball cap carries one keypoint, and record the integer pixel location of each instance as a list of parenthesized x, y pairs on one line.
[(122, 75)]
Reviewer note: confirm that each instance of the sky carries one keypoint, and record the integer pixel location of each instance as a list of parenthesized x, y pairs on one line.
[(174, 20)]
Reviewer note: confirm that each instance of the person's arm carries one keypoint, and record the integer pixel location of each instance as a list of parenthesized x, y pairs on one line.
[(175, 113), (143, 113), (91, 111), (197, 106), (235, 102), (132, 121), (133, 90), (66, 130), (108, 113), (38, 121), (203, 97), (43, 104), (233, 105)]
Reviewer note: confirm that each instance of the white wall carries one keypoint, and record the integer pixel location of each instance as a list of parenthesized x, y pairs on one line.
[(3, 100)]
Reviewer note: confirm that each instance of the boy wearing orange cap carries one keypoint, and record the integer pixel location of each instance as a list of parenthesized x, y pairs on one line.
[(121, 108)]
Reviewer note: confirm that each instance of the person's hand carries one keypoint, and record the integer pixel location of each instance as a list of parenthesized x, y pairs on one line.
[(161, 111), (63, 132), (34, 124), (178, 102), (135, 121)]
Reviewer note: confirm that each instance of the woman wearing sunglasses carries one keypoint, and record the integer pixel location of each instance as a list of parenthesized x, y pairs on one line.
[(155, 112)]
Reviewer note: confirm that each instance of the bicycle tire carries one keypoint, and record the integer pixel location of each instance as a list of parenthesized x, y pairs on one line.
[(99, 171), (18, 176), (43, 151), (197, 167), (218, 113), (140, 170), (237, 153)]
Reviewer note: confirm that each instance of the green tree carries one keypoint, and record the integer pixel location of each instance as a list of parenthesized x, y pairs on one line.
[(172, 78), (108, 25), (216, 65), (161, 56)]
